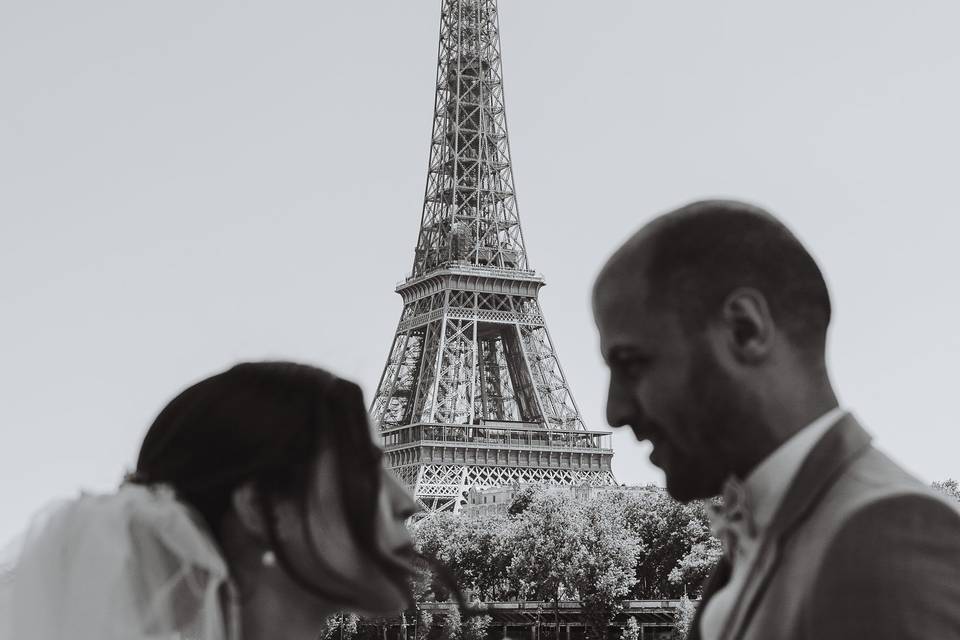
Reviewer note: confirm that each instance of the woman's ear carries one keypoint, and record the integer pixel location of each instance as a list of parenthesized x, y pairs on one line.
[(247, 504)]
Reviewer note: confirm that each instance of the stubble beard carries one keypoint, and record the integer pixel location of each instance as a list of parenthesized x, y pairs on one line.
[(721, 414)]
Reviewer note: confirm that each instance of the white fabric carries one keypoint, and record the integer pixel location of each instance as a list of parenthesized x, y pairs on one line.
[(732, 521), (765, 487), (133, 565)]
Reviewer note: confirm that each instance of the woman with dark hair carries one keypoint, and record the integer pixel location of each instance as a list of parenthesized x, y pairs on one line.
[(259, 506)]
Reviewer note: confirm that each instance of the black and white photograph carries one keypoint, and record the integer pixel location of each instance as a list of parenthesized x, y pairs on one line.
[(301, 341)]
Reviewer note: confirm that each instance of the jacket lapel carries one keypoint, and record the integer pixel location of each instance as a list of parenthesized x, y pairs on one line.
[(718, 578), (829, 458), (824, 464)]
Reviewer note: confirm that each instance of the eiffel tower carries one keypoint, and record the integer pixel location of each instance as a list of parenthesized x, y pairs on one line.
[(472, 394)]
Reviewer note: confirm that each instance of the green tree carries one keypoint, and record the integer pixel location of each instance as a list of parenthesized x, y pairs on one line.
[(667, 531), (692, 570), (373, 628), (473, 550), (683, 618), (475, 627), (523, 498), (424, 586), (432, 534), (482, 558), (604, 567), (432, 537), (949, 488), (424, 624), (631, 630), (340, 625), (545, 549), (451, 627)]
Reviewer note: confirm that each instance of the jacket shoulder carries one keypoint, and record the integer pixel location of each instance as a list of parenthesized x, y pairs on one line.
[(892, 569), (874, 478)]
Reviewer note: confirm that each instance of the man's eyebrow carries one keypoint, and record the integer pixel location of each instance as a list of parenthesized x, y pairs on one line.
[(624, 352)]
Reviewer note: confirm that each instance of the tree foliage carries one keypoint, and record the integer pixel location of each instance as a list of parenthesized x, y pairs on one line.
[(524, 498), (477, 552), (340, 625), (424, 623), (475, 627), (451, 627), (683, 618), (553, 547), (604, 566), (949, 488), (631, 630), (668, 532), (692, 571), (544, 541)]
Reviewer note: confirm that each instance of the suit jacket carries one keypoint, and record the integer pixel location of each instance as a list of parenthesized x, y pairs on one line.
[(857, 549)]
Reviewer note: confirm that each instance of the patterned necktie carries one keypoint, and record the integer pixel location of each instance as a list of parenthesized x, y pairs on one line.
[(732, 521)]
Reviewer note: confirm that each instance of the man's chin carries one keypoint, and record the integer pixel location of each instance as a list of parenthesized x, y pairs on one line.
[(688, 489)]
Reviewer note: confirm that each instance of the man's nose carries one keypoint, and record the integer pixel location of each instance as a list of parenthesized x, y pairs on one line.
[(619, 407)]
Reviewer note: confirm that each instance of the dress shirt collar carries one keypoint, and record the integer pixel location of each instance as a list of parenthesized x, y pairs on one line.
[(768, 482)]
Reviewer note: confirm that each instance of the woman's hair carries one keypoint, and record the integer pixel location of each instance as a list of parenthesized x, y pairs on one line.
[(265, 423)]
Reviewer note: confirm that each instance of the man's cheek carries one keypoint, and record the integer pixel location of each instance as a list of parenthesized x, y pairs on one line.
[(648, 394)]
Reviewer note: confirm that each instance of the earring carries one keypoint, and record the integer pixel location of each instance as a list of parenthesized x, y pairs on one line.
[(269, 558)]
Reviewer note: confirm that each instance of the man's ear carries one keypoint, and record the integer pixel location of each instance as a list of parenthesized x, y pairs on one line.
[(247, 504), (751, 330)]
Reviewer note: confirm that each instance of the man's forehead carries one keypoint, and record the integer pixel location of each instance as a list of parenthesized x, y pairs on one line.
[(621, 287), (623, 315), (642, 331), (629, 263), (629, 318)]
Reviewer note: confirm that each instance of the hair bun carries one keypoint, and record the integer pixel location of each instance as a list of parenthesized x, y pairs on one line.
[(135, 477)]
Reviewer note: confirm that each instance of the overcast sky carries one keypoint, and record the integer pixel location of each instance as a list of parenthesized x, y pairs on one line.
[(185, 184)]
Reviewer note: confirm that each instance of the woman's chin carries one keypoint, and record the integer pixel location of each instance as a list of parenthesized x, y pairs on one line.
[(384, 600)]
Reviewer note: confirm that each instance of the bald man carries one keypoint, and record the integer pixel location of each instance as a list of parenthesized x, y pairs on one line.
[(713, 323)]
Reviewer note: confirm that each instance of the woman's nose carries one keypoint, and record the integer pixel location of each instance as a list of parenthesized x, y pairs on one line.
[(402, 503)]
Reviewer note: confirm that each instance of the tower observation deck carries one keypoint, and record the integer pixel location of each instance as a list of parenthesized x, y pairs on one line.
[(472, 394)]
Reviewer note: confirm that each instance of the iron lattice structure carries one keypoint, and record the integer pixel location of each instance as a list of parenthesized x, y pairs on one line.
[(472, 394)]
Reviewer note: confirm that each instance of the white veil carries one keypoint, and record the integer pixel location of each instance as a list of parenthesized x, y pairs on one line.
[(133, 565)]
